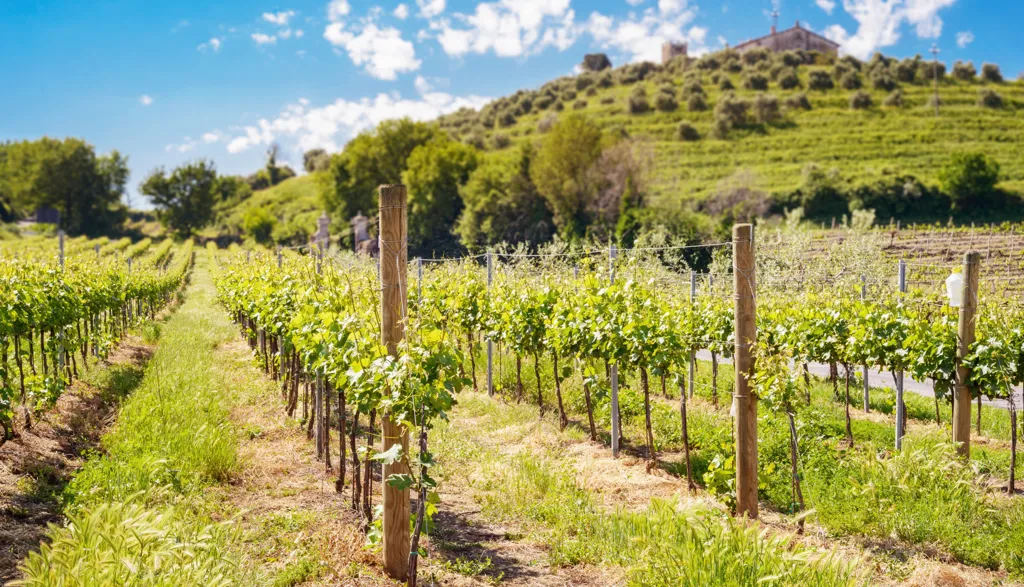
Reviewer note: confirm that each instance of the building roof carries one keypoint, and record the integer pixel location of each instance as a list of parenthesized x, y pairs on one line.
[(795, 27)]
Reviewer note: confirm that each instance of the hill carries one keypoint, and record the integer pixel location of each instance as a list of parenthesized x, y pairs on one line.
[(862, 145), (294, 203)]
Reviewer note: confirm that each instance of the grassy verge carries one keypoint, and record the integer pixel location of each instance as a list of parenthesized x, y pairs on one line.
[(135, 510)]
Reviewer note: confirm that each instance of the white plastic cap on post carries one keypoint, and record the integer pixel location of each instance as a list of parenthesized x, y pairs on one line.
[(955, 289)]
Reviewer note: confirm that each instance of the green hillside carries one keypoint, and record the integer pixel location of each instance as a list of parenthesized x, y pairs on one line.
[(294, 203), (861, 144)]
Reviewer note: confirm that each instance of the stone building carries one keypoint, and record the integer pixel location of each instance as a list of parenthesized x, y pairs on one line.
[(794, 39), (670, 50)]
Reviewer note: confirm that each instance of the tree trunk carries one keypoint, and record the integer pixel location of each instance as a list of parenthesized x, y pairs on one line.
[(519, 377), (686, 436), (540, 391), (356, 482), (833, 374), (21, 379), (849, 428), (590, 411), (807, 383), (645, 383), (368, 470), (1011, 488), (339, 485), (794, 462), (327, 427), (472, 357), (714, 379), (563, 420), (421, 508)]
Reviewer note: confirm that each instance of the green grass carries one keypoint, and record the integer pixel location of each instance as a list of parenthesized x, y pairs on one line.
[(863, 145)]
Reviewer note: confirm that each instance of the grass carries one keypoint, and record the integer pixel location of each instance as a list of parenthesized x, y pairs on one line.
[(135, 512), (863, 145)]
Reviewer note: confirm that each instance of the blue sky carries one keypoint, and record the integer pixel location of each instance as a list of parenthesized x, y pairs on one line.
[(166, 82)]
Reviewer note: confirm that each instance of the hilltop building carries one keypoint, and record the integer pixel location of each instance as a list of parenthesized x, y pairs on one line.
[(670, 50), (795, 39)]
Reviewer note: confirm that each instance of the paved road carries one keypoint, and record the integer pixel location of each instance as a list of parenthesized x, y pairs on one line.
[(879, 379)]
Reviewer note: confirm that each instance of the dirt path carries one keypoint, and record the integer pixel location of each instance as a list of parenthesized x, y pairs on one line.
[(35, 467)]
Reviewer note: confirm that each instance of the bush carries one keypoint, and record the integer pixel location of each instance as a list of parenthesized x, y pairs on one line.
[(970, 179), (693, 87), (638, 101), (475, 139), (881, 79), (596, 62), (819, 79), (543, 102), (990, 73), (709, 62), (584, 81), (851, 81), (788, 79), (605, 80), (569, 95), (790, 59), (315, 160), (506, 118), (900, 197), (906, 71), (696, 103), (733, 66), (798, 102), (591, 92), (687, 132), (545, 124), (755, 81), (500, 141), (259, 224), (731, 112), (608, 100), (860, 101), (964, 72), (894, 100), (579, 104), (989, 99), (929, 70), (766, 108), (755, 56), (666, 102), (726, 84)]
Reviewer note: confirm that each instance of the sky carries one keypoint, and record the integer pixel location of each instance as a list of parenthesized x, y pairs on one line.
[(169, 82)]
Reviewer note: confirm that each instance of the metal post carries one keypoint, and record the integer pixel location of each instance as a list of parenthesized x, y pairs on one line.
[(867, 384), (490, 343), (693, 356), (614, 367), (900, 408)]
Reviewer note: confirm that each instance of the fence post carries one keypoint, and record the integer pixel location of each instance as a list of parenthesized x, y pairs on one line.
[(691, 384), (280, 258), (60, 242), (867, 384), (745, 404), (965, 336), (612, 253), (490, 343), (393, 272), (900, 408)]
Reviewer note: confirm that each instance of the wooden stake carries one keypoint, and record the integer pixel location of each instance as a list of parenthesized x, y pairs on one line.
[(965, 336), (393, 272), (744, 402)]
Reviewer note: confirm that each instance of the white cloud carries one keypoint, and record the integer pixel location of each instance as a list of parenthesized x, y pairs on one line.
[(964, 38), (337, 10), (879, 23), (262, 39), (301, 53), (430, 8), (213, 136), (279, 18), (827, 5), (401, 12), (211, 45), (284, 33), (330, 126), (422, 85), (670, 7), (145, 99), (640, 37), (383, 52), (299, 33), (510, 28), (635, 2)]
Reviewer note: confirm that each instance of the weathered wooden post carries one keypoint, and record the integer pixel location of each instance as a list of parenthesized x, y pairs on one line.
[(393, 270), (614, 372), (490, 343), (965, 338), (745, 403), (60, 242)]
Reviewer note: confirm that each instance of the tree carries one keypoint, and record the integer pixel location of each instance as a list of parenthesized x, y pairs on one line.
[(435, 172), (113, 169), (315, 160), (259, 224), (970, 179), (596, 62), (371, 159), (184, 198), (561, 172), (502, 205)]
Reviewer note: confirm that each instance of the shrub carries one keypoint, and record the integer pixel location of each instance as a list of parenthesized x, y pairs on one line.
[(766, 108), (584, 81), (726, 84), (591, 92), (605, 80), (894, 100), (559, 106), (755, 81), (860, 101), (569, 95), (798, 102), (969, 179), (500, 141), (990, 73), (851, 81), (720, 129), (988, 98), (543, 102), (525, 105), (788, 79), (929, 70), (790, 59), (819, 79), (964, 72), (475, 139), (315, 160), (840, 70), (687, 132), (693, 87), (259, 224), (666, 102), (608, 100), (755, 56), (709, 62), (596, 62), (696, 103), (547, 122), (906, 71), (731, 111), (506, 118), (579, 104), (881, 79), (733, 65), (637, 103)]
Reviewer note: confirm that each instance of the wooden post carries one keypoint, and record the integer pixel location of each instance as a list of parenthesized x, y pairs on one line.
[(744, 402), (280, 259), (900, 408), (867, 385), (393, 272), (614, 375), (965, 338), (60, 241), (693, 356), (490, 343)]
